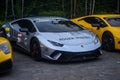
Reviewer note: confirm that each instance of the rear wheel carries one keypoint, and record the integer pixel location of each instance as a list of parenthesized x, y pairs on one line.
[(35, 50), (108, 41)]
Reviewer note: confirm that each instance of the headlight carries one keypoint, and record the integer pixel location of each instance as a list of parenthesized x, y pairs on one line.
[(55, 43), (4, 47), (96, 39)]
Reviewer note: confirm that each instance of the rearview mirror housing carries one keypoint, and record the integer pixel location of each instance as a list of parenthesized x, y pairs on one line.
[(24, 30), (96, 25)]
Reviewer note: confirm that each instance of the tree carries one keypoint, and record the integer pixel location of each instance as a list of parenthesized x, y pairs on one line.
[(66, 8), (22, 8), (6, 9), (63, 5), (86, 7), (13, 12), (74, 14), (118, 6), (71, 8), (93, 7)]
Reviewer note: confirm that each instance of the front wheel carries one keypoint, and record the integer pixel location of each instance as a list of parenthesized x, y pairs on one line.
[(35, 50), (108, 41)]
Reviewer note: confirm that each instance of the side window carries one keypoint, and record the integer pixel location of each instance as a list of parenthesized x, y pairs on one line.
[(95, 20), (91, 20), (24, 24), (16, 25)]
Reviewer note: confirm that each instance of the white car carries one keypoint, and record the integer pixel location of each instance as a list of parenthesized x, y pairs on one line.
[(53, 38)]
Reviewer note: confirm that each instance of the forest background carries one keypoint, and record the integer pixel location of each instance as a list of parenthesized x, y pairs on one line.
[(12, 9)]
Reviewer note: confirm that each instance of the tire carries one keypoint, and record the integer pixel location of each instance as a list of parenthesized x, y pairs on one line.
[(108, 42), (35, 49)]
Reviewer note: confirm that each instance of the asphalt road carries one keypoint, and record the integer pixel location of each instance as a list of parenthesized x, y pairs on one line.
[(25, 68)]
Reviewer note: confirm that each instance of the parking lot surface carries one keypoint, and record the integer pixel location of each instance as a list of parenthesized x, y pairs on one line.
[(107, 67)]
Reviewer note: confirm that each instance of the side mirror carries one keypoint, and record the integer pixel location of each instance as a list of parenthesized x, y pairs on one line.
[(103, 25), (96, 25), (24, 30)]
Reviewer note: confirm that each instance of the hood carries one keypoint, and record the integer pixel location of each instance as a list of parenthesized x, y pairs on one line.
[(70, 38)]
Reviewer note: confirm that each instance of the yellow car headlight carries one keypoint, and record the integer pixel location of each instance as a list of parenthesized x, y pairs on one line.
[(4, 47)]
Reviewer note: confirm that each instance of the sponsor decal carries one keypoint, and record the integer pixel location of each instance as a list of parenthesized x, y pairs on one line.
[(18, 39), (70, 38), (19, 35), (7, 29), (8, 34)]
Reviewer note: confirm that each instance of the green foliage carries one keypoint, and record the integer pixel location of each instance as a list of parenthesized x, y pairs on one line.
[(51, 13), (56, 7)]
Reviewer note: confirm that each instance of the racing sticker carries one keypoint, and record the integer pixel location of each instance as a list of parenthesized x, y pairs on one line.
[(18, 39), (70, 38), (8, 34), (7, 30)]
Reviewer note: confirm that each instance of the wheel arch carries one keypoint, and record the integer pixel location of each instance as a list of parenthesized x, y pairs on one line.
[(36, 56), (33, 39), (105, 32), (112, 35)]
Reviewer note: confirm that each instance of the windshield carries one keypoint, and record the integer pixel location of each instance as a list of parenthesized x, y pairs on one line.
[(57, 26), (114, 21)]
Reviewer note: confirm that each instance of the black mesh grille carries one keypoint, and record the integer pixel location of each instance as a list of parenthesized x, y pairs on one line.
[(5, 65), (71, 56)]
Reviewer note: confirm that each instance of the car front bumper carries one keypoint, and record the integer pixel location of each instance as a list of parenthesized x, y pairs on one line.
[(74, 56), (6, 66)]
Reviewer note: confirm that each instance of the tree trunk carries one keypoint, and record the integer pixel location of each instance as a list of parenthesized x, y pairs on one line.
[(90, 11), (74, 14), (118, 6), (63, 5), (6, 9), (22, 8), (93, 7), (86, 2), (71, 8), (13, 13)]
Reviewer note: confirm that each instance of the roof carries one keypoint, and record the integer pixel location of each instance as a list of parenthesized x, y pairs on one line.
[(46, 18), (41, 19), (105, 15)]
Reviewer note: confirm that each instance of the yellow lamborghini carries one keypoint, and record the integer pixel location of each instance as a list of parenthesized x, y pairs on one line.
[(6, 60), (106, 26)]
